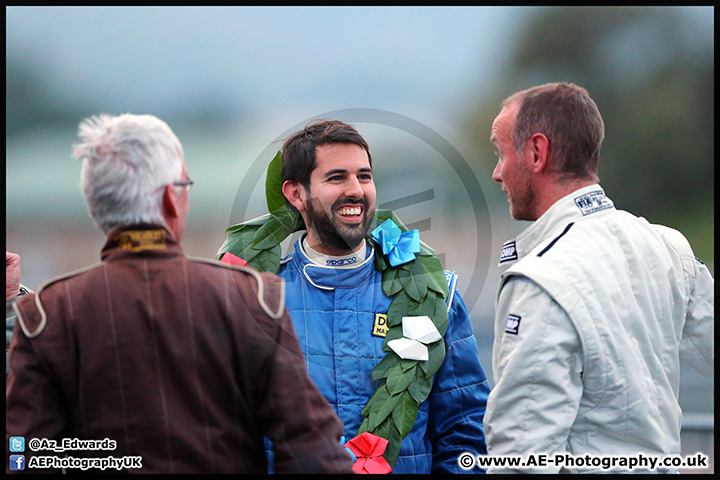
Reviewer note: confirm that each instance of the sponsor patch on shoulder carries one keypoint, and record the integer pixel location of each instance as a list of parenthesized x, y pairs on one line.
[(593, 202), (513, 324), (380, 327), (509, 252)]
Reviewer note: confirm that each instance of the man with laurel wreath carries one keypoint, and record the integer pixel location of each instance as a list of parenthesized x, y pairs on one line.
[(340, 312)]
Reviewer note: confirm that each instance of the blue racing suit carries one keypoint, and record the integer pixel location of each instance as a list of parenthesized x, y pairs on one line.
[(338, 313)]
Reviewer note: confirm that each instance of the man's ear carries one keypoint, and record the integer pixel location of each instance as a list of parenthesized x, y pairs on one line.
[(539, 144), (295, 194), (170, 203)]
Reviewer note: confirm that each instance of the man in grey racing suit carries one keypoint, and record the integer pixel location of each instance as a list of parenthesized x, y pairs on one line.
[(597, 308)]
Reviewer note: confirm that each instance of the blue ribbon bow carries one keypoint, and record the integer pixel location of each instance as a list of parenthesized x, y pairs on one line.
[(400, 247)]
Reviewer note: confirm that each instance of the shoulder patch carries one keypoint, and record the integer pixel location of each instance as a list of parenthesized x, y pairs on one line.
[(509, 252), (513, 324), (593, 202)]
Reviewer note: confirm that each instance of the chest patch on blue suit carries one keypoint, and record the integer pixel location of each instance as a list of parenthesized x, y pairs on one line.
[(380, 327)]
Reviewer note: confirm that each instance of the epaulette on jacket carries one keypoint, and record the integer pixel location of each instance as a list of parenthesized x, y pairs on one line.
[(270, 292), (34, 327)]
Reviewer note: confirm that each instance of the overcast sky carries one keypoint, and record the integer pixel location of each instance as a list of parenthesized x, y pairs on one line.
[(267, 60)]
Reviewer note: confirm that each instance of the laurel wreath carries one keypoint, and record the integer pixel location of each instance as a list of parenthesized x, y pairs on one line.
[(418, 288)]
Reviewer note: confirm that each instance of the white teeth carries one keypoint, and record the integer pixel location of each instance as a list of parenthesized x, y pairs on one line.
[(349, 211)]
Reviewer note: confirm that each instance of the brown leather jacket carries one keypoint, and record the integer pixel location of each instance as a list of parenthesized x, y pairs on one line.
[(185, 363)]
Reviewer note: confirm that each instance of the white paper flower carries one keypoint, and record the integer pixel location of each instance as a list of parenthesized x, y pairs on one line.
[(421, 329), (409, 349), (418, 332)]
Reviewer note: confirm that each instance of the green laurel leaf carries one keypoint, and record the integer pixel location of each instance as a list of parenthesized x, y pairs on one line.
[(363, 425), (436, 355), (390, 282), (425, 250), (272, 233), (267, 260), (426, 308), (399, 378), (239, 243), (381, 263), (384, 404), (415, 286), (420, 387), (392, 452), (404, 414), (441, 315), (273, 184), (382, 369), (236, 227), (383, 429), (255, 222), (420, 277), (393, 333), (398, 308), (287, 217), (435, 274), (407, 364)]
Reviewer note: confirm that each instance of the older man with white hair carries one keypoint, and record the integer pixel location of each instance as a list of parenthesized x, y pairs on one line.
[(150, 361)]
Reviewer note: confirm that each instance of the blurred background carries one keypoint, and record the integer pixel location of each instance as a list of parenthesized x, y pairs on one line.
[(422, 84)]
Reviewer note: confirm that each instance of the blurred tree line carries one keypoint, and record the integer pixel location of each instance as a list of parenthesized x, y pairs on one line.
[(29, 99), (652, 76), (32, 102)]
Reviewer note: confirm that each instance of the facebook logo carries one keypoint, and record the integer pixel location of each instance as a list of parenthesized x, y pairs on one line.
[(17, 462), (17, 444)]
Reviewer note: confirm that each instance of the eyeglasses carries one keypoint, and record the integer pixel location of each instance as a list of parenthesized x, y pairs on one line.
[(187, 183)]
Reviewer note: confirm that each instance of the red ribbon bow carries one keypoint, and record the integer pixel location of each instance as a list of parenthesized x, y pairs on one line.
[(368, 449), (231, 259)]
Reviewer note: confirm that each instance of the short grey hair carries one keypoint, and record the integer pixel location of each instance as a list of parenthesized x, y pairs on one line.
[(127, 159), (569, 118)]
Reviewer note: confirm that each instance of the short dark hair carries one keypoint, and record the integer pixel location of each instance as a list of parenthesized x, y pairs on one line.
[(571, 121), (298, 151)]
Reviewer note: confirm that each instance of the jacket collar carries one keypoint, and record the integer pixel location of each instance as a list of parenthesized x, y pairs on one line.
[(579, 204), (143, 239), (329, 278)]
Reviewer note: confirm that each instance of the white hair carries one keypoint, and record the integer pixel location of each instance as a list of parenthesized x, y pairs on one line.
[(127, 159)]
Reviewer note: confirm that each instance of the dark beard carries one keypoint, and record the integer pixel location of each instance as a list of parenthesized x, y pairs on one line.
[(338, 237)]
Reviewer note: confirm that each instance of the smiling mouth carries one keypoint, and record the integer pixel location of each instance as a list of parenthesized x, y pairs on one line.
[(351, 213)]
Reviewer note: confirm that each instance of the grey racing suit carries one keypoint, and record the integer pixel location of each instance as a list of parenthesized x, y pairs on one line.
[(592, 319)]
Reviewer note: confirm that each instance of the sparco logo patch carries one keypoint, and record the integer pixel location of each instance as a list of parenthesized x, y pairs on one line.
[(593, 202), (509, 252), (342, 262), (513, 324)]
